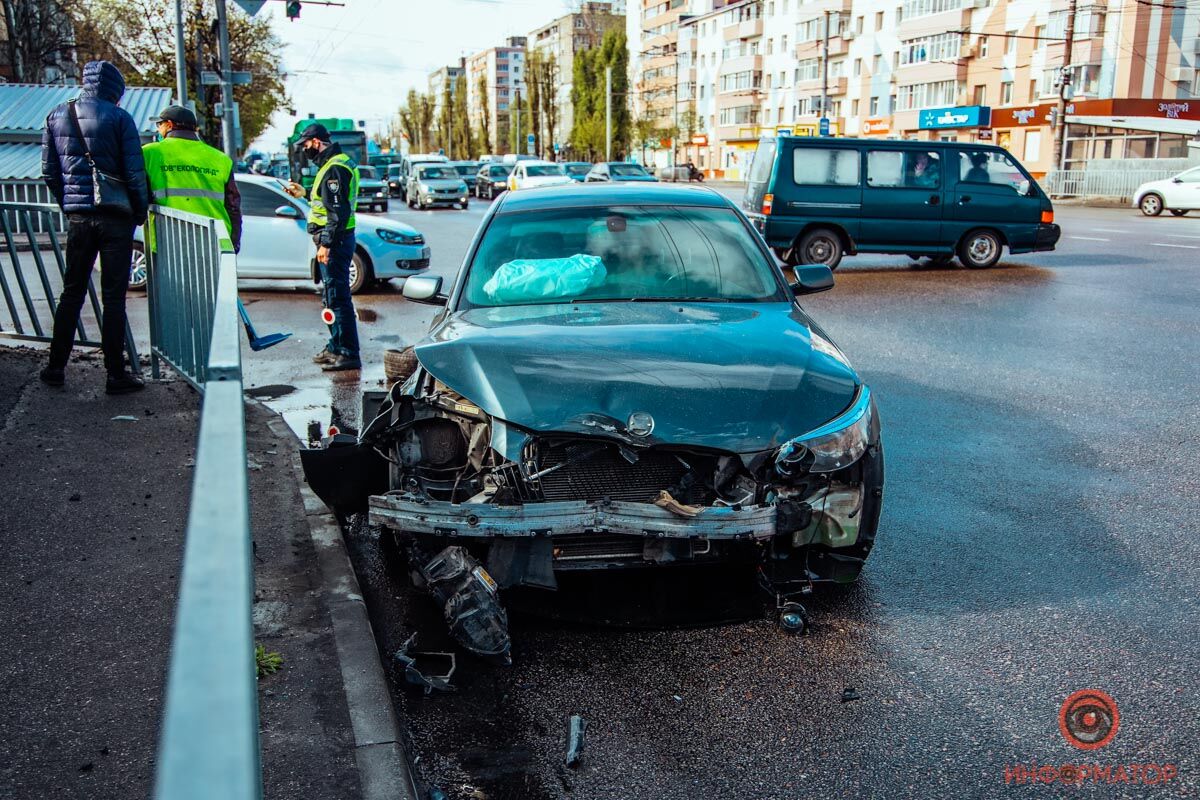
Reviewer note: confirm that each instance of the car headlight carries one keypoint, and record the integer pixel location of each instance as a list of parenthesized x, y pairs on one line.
[(835, 445), (395, 237)]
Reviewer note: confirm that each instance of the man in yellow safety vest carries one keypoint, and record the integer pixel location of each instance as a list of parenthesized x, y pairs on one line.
[(186, 174), (331, 223)]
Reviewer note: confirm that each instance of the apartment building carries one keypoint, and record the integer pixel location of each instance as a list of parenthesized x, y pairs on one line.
[(442, 78), (503, 73), (561, 39), (975, 70)]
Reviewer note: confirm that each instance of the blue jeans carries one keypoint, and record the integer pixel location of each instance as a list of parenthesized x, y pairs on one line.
[(335, 277)]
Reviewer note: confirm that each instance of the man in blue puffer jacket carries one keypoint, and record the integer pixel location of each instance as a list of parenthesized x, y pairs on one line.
[(111, 136)]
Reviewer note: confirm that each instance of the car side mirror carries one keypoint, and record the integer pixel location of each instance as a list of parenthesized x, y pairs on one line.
[(287, 211), (810, 279), (1176, 180), (1024, 188), (425, 289)]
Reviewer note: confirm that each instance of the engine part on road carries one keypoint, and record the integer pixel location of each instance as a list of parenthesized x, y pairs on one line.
[(429, 670), (470, 603), (576, 728)]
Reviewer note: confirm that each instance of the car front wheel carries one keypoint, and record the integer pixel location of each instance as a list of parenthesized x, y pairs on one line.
[(137, 267), (980, 249), (360, 273), (1151, 205), (820, 246)]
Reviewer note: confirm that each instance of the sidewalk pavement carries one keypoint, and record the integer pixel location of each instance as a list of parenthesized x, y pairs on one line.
[(91, 527)]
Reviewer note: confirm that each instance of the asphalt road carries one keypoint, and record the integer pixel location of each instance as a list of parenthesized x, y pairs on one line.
[(1038, 537)]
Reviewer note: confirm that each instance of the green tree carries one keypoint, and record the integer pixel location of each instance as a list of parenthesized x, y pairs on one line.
[(139, 37), (446, 121), (464, 145), (588, 100), (533, 88), (549, 95), (407, 117), (485, 132), (423, 114), (645, 134)]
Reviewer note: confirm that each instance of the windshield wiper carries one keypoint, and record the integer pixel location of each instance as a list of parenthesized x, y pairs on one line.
[(676, 299)]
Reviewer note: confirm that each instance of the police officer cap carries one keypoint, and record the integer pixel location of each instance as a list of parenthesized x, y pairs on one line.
[(180, 116), (314, 131)]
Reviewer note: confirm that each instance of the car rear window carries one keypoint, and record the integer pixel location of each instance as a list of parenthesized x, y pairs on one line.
[(618, 253), (825, 166)]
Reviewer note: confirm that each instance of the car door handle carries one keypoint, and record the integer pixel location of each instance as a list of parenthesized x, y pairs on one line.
[(933, 200), (966, 198)]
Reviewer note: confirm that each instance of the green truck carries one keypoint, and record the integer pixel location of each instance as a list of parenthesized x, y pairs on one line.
[(343, 132)]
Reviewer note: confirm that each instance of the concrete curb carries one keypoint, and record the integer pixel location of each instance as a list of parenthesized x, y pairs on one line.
[(383, 768)]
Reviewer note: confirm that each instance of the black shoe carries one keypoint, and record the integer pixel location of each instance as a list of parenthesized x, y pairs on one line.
[(52, 376), (123, 383), (326, 356), (341, 363)]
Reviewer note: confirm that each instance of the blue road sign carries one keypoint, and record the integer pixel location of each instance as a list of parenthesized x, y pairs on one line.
[(824, 126)]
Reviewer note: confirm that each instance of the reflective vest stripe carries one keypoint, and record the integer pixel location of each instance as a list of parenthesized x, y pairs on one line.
[(159, 194)]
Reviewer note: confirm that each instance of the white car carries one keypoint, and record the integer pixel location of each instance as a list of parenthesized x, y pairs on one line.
[(533, 174), (1178, 195), (276, 244)]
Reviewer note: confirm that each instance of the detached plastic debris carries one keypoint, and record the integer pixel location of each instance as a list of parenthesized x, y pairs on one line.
[(665, 500), (124, 418), (429, 670), (576, 727), (526, 280), (470, 603)]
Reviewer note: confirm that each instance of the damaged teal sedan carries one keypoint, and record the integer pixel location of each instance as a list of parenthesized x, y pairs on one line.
[(621, 378)]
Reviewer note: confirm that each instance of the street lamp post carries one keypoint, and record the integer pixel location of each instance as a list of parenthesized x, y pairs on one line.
[(1060, 118)]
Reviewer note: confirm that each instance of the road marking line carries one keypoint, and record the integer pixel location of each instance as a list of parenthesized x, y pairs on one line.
[(1110, 230), (1089, 238), (1182, 236), (1184, 246)]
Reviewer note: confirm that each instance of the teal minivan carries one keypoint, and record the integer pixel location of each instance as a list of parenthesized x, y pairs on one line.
[(817, 199)]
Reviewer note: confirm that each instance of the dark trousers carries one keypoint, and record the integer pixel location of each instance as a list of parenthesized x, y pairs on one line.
[(335, 279), (89, 235)]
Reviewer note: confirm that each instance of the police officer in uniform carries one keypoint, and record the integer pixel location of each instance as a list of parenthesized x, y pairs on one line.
[(186, 174), (331, 223)]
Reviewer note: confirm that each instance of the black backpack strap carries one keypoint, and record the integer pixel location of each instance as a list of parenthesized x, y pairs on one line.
[(79, 131)]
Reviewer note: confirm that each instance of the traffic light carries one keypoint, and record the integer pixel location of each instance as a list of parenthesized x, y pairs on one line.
[(293, 9)]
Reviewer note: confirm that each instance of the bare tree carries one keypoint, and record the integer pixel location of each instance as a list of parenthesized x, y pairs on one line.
[(41, 41)]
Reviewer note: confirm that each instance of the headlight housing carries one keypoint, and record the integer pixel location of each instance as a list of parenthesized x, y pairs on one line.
[(395, 237), (835, 445)]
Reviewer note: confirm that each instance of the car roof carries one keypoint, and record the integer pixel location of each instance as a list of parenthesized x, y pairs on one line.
[(578, 195), (886, 144)]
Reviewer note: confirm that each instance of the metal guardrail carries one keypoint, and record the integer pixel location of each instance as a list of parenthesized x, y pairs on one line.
[(209, 740), (1100, 183), (37, 289), (183, 259)]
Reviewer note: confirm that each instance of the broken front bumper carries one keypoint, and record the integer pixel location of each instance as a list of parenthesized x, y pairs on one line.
[(562, 518)]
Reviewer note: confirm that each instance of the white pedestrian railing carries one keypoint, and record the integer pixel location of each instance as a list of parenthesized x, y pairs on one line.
[(1119, 184)]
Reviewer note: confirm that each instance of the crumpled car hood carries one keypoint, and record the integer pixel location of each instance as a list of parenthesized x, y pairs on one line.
[(736, 377)]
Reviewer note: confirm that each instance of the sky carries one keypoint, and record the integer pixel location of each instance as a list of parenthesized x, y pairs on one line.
[(359, 60)]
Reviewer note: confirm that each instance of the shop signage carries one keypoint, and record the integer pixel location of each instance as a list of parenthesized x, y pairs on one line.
[(985, 134), (1023, 116), (956, 117), (700, 139), (876, 127)]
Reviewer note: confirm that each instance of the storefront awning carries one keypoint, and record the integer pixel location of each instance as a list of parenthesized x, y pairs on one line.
[(1188, 127)]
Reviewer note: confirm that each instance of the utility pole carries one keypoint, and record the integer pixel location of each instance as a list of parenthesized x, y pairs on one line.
[(1060, 117), (228, 111), (180, 57), (608, 113), (517, 127), (825, 68)]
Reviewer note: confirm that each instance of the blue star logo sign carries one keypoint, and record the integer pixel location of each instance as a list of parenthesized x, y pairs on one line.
[(928, 117)]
